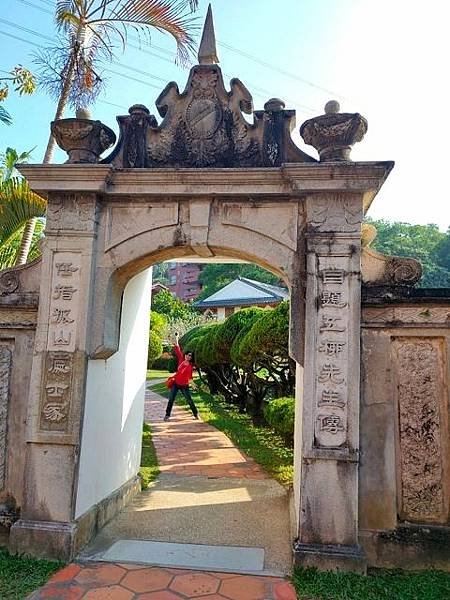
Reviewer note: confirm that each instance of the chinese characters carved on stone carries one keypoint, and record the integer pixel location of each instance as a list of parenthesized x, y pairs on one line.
[(332, 358)]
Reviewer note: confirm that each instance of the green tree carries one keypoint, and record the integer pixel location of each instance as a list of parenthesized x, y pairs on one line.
[(17, 205), (22, 81), (215, 276), (158, 324), (155, 348), (165, 303), (423, 242), (89, 31)]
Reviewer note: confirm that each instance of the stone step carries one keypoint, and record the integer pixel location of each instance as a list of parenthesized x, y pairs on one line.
[(233, 559)]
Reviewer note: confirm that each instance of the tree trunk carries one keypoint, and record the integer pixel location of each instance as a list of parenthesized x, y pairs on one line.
[(27, 237)]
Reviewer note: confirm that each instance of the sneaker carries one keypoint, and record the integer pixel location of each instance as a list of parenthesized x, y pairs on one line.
[(196, 417), (166, 418)]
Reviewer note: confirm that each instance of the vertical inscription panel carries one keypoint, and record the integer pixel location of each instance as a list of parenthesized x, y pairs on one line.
[(64, 301), (423, 428), (5, 375), (331, 393), (57, 392), (57, 378)]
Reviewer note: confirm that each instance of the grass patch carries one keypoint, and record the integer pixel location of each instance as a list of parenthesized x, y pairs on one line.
[(157, 374), (149, 469), (377, 585), (261, 443), (19, 576)]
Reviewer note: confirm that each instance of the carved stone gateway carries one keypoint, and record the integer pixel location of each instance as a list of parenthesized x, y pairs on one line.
[(203, 183)]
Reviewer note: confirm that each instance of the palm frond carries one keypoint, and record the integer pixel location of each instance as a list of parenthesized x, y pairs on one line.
[(5, 117), (9, 249), (18, 204), (164, 15)]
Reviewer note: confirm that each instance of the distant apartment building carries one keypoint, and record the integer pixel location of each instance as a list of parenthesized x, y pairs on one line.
[(183, 280)]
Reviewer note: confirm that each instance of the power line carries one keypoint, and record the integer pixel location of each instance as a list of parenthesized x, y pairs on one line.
[(231, 49), (278, 70)]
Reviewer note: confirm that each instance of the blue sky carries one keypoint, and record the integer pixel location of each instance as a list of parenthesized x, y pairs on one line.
[(385, 59)]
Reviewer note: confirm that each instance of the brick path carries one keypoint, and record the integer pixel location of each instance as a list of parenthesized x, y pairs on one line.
[(184, 447), (188, 447), (133, 582)]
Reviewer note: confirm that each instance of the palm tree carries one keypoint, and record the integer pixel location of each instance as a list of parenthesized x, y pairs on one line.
[(90, 29), (18, 204)]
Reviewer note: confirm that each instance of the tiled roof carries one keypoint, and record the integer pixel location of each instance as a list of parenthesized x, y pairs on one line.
[(244, 291)]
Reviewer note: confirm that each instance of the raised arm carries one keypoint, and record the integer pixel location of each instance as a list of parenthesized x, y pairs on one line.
[(178, 352)]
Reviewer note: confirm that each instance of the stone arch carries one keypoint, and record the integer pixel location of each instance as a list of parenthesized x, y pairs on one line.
[(145, 245)]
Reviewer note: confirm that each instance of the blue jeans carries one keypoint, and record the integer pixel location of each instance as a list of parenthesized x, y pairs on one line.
[(184, 389)]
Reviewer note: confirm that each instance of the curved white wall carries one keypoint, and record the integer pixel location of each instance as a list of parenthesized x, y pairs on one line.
[(115, 389)]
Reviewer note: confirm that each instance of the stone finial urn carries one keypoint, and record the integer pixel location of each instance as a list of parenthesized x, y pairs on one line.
[(82, 138), (333, 134)]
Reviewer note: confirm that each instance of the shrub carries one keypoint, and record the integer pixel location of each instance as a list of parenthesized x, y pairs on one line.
[(280, 415), (155, 348)]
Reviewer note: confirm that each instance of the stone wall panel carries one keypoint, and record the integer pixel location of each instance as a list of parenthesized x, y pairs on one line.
[(422, 428)]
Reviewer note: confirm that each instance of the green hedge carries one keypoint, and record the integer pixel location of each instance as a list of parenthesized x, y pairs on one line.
[(280, 414)]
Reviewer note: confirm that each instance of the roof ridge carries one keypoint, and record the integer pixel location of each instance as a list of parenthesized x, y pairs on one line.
[(259, 285)]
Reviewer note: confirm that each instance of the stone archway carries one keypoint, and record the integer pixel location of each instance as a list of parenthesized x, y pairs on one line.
[(187, 187)]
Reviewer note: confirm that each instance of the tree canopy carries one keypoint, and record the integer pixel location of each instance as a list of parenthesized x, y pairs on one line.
[(423, 242)]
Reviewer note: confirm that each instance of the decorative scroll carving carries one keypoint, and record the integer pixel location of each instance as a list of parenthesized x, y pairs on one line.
[(9, 282), (420, 391), (403, 271), (379, 269), (5, 371)]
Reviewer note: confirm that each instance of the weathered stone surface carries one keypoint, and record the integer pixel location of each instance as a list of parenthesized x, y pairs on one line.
[(330, 558), (422, 429), (5, 376), (83, 139), (204, 127), (333, 134), (379, 269)]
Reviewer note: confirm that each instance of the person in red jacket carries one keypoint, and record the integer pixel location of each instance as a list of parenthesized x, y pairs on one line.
[(181, 381)]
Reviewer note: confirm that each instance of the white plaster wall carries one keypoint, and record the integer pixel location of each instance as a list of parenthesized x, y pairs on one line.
[(221, 313), (111, 440)]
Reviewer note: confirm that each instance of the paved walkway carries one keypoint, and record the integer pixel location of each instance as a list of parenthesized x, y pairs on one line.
[(136, 582), (188, 447), (208, 492)]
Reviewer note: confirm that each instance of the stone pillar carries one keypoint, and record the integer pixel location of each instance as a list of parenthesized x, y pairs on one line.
[(56, 400), (328, 478)]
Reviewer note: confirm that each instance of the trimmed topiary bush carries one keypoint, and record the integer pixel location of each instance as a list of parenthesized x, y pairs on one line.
[(280, 415)]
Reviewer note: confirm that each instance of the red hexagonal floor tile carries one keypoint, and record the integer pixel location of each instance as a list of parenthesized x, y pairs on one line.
[(244, 588), (103, 574), (161, 595), (59, 592), (195, 584), (110, 592), (65, 574), (147, 580)]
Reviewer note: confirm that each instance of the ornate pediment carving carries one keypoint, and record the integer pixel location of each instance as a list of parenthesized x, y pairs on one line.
[(204, 126)]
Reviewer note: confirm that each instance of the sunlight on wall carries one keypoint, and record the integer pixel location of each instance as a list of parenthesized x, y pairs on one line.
[(111, 443)]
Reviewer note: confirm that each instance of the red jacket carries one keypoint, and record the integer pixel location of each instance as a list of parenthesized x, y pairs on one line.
[(184, 372)]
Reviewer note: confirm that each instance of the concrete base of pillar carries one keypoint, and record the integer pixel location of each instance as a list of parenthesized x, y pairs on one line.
[(47, 539), (52, 539), (330, 558)]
